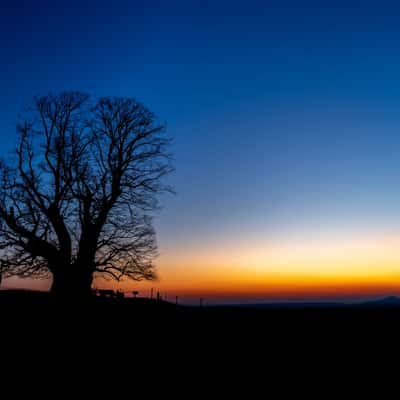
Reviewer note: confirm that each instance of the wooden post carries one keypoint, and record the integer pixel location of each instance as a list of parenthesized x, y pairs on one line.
[(2, 263)]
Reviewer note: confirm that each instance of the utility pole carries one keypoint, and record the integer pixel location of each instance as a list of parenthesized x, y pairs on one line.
[(176, 300), (151, 294), (1, 270)]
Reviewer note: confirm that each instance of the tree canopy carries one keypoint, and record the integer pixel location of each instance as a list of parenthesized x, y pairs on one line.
[(76, 198)]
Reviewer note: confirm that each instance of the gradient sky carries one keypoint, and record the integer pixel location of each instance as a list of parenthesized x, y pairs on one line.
[(286, 124)]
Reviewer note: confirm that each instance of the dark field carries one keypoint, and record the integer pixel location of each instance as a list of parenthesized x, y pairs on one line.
[(144, 316), (151, 337), (145, 340)]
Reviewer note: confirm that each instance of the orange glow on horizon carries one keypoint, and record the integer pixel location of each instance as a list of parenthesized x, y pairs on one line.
[(318, 268), (293, 270)]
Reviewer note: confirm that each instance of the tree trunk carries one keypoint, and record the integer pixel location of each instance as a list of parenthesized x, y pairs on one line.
[(71, 282)]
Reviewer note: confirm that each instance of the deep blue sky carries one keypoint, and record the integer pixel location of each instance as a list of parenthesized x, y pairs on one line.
[(285, 115)]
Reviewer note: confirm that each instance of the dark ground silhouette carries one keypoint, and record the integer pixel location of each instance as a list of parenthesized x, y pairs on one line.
[(168, 319), (150, 337)]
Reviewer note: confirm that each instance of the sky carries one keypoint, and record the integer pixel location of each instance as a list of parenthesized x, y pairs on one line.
[(285, 124)]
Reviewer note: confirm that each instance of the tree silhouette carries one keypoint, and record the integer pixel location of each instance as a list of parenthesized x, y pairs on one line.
[(75, 198)]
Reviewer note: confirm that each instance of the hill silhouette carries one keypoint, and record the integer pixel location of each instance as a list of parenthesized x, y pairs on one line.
[(127, 327), (307, 316)]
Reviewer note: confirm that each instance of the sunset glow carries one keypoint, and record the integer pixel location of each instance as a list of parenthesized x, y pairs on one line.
[(341, 269), (285, 127), (318, 269)]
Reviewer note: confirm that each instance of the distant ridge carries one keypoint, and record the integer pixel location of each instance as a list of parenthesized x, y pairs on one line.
[(386, 301), (389, 301)]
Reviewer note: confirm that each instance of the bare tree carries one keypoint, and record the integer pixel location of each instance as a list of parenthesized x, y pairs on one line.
[(76, 197)]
